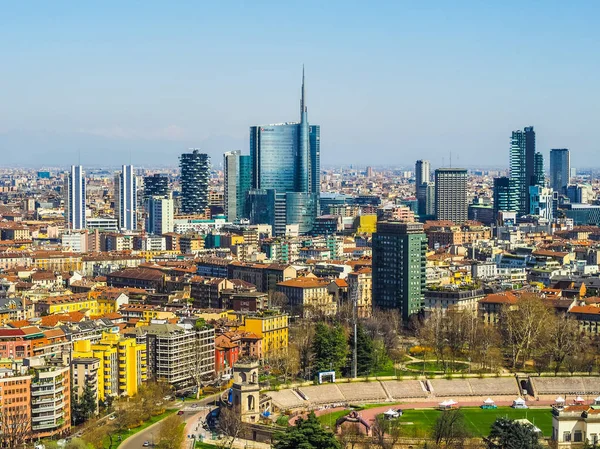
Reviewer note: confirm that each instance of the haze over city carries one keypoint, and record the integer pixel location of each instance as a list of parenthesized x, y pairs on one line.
[(112, 82)]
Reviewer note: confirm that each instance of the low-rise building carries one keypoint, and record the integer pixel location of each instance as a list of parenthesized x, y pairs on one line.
[(573, 425), (308, 296)]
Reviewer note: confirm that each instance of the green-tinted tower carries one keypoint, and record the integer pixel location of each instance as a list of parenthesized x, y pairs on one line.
[(399, 267)]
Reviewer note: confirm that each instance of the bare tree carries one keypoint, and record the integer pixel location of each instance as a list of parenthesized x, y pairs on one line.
[(301, 337), (350, 436), (286, 363), (278, 300), (564, 338), (170, 433), (450, 430), (525, 327), (385, 433), (15, 426), (230, 425)]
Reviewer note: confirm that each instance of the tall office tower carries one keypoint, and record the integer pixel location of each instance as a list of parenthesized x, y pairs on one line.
[(286, 158), (422, 181), (522, 167), (159, 218), (539, 175), (451, 194), (422, 172), (156, 185), (560, 169), (502, 196), (195, 175), (75, 198), (126, 199), (238, 181), (399, 267)]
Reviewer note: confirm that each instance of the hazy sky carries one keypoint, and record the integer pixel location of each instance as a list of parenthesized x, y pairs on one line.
[(389, 82)]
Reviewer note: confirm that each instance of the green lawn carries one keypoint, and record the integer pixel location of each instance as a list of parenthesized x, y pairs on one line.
[(201, 445), (329, 419), (418, 423), (478, 420)]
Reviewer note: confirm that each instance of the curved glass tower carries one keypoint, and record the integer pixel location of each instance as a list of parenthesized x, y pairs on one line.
[(286, 158)]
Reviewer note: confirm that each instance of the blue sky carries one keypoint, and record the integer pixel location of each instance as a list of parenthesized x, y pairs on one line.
[(389, 82)]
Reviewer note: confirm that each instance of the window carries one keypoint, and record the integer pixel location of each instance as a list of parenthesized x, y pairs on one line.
[(566, 436), (578, 438)]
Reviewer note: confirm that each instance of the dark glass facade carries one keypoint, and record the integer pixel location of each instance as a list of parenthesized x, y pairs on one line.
[(502, 196)]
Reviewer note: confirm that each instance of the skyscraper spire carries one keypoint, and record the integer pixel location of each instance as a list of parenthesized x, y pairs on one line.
[(303, 99)]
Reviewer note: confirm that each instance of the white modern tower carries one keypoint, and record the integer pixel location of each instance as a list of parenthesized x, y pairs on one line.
[(126, 199), (159, 215), (75, 198)]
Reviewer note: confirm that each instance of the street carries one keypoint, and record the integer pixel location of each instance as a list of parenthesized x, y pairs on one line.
[(149, 434)]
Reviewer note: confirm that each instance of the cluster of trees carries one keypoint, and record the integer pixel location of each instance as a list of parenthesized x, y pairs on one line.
[(327, 345), (531, 331)]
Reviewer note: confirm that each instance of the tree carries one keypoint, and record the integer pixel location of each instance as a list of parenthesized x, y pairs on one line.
[(508, 434), (450, 430), (278, 300), (329, 348), (14, 425), (230, 425), (525, 327), (306, 434), (385, 433), (286, 363), (302, 337), (84, 408), (365, 352), (170, 433), (564, 337)]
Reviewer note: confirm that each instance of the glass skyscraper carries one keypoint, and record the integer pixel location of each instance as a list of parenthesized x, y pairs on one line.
[(286, 158), (526, 168), (502, 196), (560, 169), (238, 182), (126, 198)]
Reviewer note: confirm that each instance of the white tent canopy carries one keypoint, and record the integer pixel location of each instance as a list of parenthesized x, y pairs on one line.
[(579, 399), (391, 412), (519, 401), (488, 401), (559, 399)]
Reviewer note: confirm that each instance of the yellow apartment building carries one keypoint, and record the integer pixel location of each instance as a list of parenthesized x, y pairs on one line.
[(123, 363)]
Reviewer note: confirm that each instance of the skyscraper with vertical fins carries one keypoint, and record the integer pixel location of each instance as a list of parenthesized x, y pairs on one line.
[(286, 160)]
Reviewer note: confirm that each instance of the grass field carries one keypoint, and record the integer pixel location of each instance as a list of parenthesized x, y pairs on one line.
[(418, 423), (480, 421)]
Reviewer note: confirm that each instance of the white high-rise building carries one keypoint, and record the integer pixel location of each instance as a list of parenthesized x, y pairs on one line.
[(159, 218), (126, 199), (75, 198)]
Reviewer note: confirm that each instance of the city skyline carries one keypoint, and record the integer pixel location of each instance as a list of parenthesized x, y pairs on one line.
[(152, 94)]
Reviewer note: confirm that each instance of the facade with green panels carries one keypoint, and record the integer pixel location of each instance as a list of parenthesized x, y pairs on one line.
[(399, 267)]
